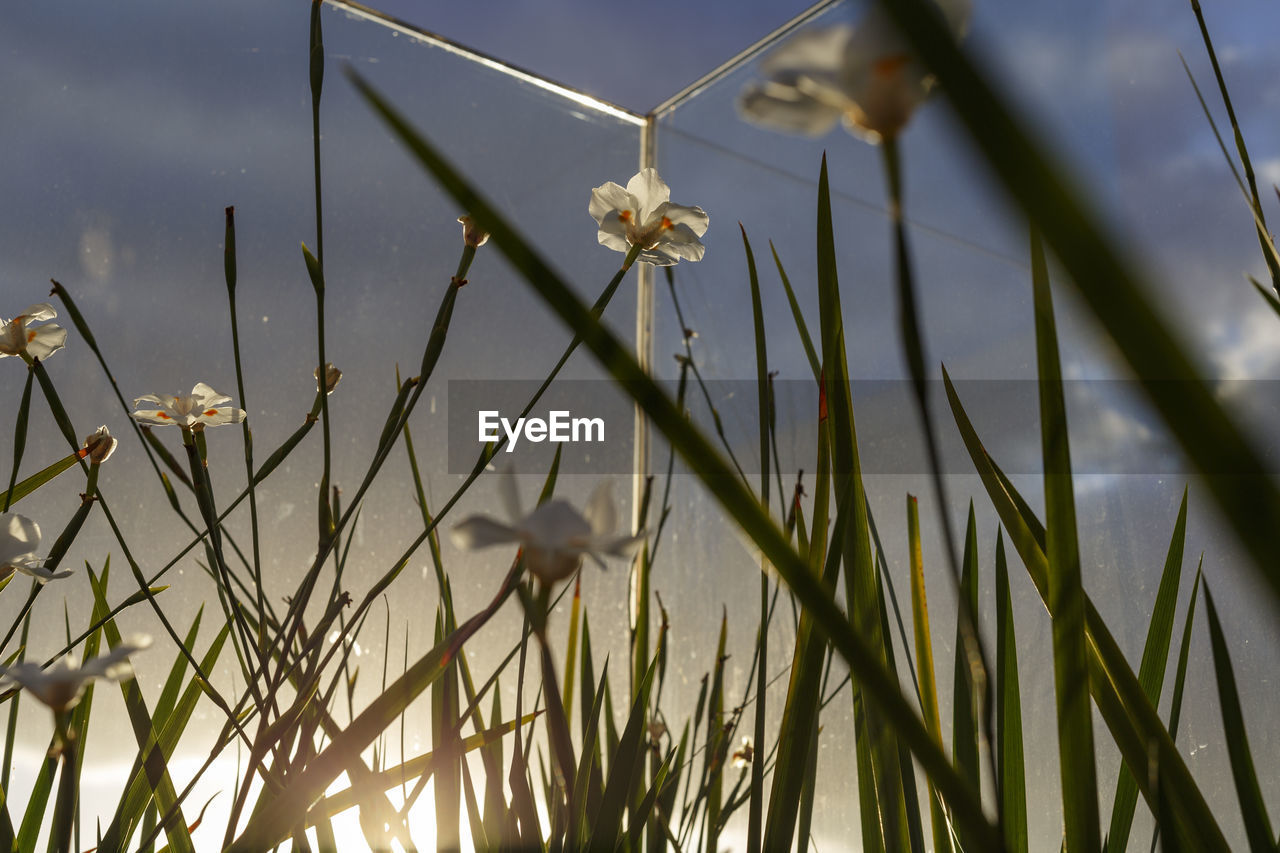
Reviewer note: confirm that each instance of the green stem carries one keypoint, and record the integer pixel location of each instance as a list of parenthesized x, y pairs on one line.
[(229, 265)]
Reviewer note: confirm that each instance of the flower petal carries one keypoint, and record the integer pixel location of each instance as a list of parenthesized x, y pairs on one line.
[(33, 569), (600, 512), (480, 531), (19, 538), (44, 341), (205, 397), (613, 233), (695, 217), (650, 191), (153, 416), (610, 198), (215, 417), (38, 313)]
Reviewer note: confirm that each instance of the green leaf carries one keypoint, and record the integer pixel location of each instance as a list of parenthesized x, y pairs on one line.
[(964, 725), (624, 769), (814, 364), (35, 481), (1155, 657), (1253, 807), (145, 732), (924, 666), (1134, 724), (756, 807), (19, 437), (1066, 595), (1011, 785)]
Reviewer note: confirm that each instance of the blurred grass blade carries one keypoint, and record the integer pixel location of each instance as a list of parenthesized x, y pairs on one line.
[(1011, 786), (707, 463), (1155, 657), (1066, 595), (1253, 806)]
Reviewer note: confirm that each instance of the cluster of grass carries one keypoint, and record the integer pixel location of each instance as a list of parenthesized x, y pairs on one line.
[(628, 775)]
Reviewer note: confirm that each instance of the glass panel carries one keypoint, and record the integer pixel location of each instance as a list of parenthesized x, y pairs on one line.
[(128, 130), (1114, 123)]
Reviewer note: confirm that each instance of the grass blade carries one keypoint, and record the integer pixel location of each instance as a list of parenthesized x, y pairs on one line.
[(1155, 657), (1134, 724), (1253, 807), (1066, 595), (1011, 784)]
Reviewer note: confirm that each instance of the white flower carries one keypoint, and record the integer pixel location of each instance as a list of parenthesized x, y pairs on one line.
[(643, 215), (863, 75), (194, 411), (99, 445), (19, 539), (63, 683), (39, 342), (472, 234), (555, 536)]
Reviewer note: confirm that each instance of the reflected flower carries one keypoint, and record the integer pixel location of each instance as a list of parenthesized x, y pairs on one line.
[(643, 215), (19, 539), (64, 682), (331, 377), (472, 235), (555, 536), (39, 342), (864, 75), (202, 407), (99, 445)]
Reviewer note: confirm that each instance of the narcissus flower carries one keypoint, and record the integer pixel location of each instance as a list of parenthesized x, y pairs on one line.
[(641, 214), (19, 540), (18, 336), (555, 536), (64, 682), (864, 75), (99, 445), (195, 411)]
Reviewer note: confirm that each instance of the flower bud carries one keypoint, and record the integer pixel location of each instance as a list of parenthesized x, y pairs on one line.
[(100, 445), (331, 377), (472, 235)]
